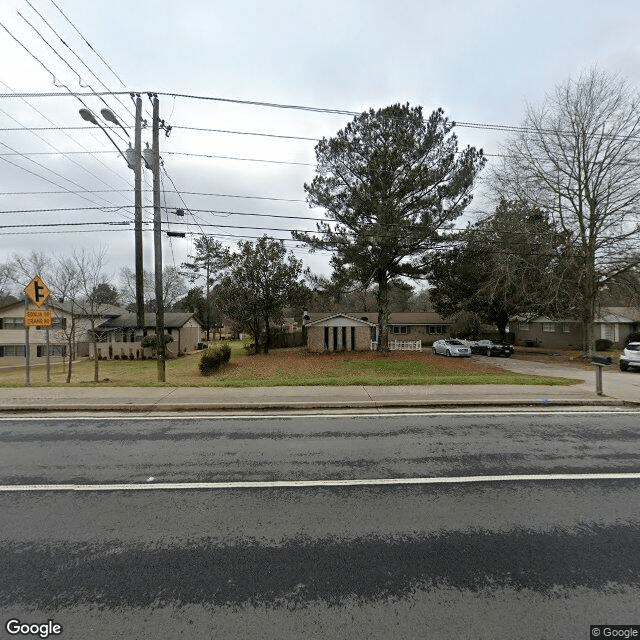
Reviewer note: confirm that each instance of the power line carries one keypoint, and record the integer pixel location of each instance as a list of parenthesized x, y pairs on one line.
[(77, 56), (81, 166), (37, 175), (65, 133), (274, 105), (187, 193), (207, 155), (245, 133), (88, 43), (39, 164), (68, 65), (60, 128)]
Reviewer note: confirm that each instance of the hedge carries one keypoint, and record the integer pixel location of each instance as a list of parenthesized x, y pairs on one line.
[(212, 359)]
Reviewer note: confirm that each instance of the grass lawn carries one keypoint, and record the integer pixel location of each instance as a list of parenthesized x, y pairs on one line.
[(286, 367)]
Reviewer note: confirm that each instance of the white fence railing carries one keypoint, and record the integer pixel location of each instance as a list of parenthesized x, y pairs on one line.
[(400, 345), (405, 345)]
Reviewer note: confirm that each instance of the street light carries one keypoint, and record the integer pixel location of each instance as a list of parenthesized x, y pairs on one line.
[(132, 158), (87, 115)]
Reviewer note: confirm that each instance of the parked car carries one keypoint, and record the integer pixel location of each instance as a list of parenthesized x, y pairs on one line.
[(489, 348), (630, 356), (453, 348)]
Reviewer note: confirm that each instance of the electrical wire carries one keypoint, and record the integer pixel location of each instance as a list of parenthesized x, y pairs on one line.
[(69, 136), (106, 64), (78, 164), (117, 133), (127, 109)]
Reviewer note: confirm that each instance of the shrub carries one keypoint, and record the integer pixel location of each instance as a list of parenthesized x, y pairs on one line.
[(603, 345), (249, 346), (225, 353), (212, 359), (116, 357), (131, 356)]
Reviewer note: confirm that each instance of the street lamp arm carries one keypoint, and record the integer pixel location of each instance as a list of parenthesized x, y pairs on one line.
[(85, 114)]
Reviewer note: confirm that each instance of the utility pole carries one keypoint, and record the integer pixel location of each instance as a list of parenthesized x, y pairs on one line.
[(137, 169), (157, 241)]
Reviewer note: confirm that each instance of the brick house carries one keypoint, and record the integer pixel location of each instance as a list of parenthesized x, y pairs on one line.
[(354, 331), (119, 335), (612, 323), (69, 323), (115, 327)]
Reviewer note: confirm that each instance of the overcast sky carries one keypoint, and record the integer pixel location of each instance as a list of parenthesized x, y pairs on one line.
[(480, 61)]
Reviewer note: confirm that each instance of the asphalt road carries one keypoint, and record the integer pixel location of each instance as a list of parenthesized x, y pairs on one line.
[(500, 559)]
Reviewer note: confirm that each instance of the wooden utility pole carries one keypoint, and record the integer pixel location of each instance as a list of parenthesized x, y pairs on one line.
[(157, 241), (137, 169)]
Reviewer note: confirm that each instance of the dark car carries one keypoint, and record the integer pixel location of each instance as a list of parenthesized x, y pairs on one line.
[(489, 348)]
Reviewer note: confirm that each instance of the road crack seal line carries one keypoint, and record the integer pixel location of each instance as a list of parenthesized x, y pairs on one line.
[(376, 406), (156, 404)]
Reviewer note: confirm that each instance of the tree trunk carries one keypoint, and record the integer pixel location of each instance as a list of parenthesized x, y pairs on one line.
[(383, 311), (501, 323), (208, 301), (70, 354), (94, 338), (267, 333)]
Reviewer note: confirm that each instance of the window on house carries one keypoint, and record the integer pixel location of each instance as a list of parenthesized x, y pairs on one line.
[(11, 323), (566, 327), (54, 350), (548, 327), (524, 326), (400, 328), (13, 350), (436, 328)]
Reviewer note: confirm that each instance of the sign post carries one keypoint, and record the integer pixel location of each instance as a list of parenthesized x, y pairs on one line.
[(27, 355), (48, 348), (599, 362), (38, 292)]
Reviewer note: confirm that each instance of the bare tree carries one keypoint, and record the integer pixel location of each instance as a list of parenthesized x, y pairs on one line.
[(174, 287), (5, 283), (21, 269), (89, 267), (65, 284), (577, 157)]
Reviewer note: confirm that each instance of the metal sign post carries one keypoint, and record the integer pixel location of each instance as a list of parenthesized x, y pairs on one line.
[(38, 292), (27, 355), (600, 362), (48, 348)]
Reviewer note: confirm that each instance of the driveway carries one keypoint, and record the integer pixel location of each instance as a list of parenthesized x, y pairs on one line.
[(622, 385)]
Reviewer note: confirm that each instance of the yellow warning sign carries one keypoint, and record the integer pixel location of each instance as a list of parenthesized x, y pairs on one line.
[(37, 291), (37, 318)]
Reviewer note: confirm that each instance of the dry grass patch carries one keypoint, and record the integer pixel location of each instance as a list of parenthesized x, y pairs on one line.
[(287, 367)]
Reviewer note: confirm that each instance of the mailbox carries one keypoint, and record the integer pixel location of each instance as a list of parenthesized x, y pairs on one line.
[(601, 360)]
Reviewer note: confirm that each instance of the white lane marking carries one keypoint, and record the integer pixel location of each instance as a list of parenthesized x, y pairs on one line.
[(287, 484), (282, 416)]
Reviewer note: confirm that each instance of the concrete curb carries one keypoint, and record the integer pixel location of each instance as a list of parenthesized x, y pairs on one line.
[(304, 405)]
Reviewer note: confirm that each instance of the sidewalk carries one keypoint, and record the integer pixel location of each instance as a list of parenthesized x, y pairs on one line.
[(183, 399)]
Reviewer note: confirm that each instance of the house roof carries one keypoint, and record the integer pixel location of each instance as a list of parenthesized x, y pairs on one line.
[(626, 314), (395, 317), (104, 310), (609, 315), (129, 320), (324, 317)]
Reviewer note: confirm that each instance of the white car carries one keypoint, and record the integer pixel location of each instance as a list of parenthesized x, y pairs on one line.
[(630, 356), (452, 348)]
